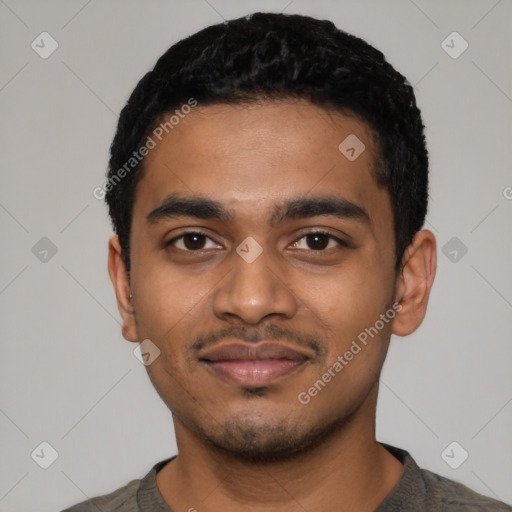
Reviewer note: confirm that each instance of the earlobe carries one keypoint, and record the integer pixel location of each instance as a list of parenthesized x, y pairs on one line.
[(122, 289), (415, 282)]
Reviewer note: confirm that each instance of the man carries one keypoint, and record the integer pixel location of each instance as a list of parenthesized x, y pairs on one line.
[(268, 183)]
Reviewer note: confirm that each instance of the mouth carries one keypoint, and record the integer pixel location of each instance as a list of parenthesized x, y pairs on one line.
[(254, 365)]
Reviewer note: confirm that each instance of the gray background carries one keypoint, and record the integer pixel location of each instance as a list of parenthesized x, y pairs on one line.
[(67, 375)]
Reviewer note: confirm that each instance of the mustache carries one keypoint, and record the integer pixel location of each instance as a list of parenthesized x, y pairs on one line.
[(254, 335)]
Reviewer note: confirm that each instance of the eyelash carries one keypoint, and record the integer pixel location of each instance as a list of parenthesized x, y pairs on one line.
[(325, 233)]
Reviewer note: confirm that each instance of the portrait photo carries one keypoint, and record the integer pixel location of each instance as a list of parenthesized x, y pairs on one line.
[(257, 255)]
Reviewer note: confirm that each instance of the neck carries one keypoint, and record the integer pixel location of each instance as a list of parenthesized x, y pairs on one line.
[(347, 471)]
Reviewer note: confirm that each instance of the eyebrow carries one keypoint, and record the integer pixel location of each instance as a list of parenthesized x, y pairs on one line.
[(174, 206)]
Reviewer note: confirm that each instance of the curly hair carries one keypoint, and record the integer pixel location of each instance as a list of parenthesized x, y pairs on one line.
[(273, 56)]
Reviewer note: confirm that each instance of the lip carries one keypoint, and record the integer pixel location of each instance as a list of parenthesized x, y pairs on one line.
[(254, 364)]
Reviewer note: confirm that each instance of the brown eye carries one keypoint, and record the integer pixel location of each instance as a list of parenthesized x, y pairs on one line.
[(319, 241), (191, 241), (194, 241)]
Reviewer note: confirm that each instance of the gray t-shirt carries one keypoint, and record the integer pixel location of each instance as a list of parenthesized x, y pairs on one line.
[(418, 490)]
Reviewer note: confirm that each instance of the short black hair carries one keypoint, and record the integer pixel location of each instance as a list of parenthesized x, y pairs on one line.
[(270, 56)]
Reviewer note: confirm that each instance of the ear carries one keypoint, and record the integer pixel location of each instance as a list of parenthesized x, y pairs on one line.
[(415, 282), (121, 283)]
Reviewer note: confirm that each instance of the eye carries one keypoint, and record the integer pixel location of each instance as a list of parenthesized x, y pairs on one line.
[(320, 241), (191, 241)]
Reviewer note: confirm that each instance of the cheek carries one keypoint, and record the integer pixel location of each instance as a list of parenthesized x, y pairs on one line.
[(165, 297), (173, 309), (346, 302), (349, 307)]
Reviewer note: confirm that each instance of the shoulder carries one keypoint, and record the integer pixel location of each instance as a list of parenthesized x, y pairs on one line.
[(450, 495), (422, 490), (136, 494), (124, 498)]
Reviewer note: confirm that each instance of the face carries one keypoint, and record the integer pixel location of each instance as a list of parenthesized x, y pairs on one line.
[(260, 254)]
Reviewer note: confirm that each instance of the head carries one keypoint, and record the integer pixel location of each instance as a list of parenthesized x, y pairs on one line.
[(268, 181)]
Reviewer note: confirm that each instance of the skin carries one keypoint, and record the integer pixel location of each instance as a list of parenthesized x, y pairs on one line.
[(251, 158)]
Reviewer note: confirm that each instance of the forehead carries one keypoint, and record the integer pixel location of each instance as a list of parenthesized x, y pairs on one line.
[(252, 156)]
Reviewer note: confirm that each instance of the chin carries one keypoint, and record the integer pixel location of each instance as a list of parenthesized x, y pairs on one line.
[(260, 443)]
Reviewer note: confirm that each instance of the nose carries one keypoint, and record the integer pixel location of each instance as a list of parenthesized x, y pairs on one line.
[(253, 290)]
